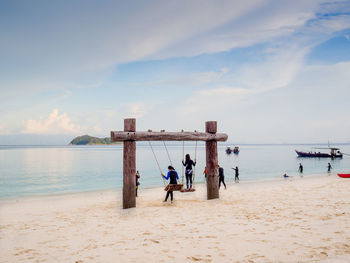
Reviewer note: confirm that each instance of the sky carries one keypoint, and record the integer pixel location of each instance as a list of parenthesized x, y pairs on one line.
[(268, 71)]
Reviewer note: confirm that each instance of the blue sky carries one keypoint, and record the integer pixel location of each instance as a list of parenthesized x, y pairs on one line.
[(267, 71)]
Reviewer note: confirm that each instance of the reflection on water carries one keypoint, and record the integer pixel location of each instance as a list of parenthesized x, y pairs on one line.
[(46, 170)]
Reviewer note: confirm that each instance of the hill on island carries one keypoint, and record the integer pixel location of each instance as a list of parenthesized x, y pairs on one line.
[(90, 140)]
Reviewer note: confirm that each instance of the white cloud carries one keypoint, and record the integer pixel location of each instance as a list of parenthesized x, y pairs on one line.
[(276, 72), (3, 130), (136, 110), (190, 80), (53, 124)]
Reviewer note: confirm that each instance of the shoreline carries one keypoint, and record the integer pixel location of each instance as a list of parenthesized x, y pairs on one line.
[(119, 189)]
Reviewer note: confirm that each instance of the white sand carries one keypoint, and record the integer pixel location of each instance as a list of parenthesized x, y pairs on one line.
[(297, 220)]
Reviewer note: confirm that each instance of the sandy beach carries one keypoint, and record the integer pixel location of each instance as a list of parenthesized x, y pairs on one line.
[(292, 220)]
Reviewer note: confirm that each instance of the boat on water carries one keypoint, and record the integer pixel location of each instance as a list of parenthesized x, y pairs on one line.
[(235, 150), (344, 175), (334, 153)]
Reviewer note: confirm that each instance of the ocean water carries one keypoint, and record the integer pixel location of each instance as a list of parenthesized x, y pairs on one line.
[(45, 170)]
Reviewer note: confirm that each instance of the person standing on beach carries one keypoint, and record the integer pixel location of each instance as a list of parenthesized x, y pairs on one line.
[(329, 167), (205, 172), (188, 164), (137, 181), (221, 176), (301, 168), (172, 175), (236, 174)]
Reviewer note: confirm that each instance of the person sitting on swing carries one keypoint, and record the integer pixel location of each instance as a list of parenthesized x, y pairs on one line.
[(188, 164), (172, 174)]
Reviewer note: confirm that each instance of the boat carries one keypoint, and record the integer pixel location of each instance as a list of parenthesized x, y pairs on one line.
[(235, 150), (334, 153), (344, 175)]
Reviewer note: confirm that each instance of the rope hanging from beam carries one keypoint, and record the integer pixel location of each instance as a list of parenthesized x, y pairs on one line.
[(166, 149), (183, 157), (160, 169), (195, 160)]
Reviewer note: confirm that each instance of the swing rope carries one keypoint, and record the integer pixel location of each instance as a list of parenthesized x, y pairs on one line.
[(194, 168), (166, 149), (160, 169), (183, 158)]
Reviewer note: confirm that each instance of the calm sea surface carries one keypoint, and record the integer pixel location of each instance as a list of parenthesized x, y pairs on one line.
[(30, 170)]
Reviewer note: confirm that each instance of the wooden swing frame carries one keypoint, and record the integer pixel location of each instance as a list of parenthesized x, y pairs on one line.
[(129, 137)]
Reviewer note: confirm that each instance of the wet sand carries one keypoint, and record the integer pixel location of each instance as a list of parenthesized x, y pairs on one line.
[(287, 220)]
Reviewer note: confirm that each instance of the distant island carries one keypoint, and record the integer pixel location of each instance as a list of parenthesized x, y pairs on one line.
[(90, 140)]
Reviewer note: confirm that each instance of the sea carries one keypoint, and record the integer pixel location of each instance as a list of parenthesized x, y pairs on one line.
[(47, 170)]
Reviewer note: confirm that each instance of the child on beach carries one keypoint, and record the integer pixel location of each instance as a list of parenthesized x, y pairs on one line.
[(172, 175), (188, 164)]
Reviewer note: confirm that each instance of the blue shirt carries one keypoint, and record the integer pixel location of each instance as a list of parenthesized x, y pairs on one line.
[(171, 174)]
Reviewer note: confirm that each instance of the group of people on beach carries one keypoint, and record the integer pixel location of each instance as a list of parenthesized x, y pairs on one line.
[(189, 164), (222, 176), (173, 176)]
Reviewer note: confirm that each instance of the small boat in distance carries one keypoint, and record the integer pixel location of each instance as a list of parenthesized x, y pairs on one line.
[(334, 153), (344, 175), (235, 150)]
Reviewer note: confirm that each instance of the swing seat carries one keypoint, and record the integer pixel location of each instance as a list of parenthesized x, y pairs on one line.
[(188, 190), (173, 187)]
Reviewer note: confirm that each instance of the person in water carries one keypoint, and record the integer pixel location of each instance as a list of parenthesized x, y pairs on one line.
[(137, 181), (301, 168), (236, 174), (172, 175), (189, 170), (221, 176), (329, 167)]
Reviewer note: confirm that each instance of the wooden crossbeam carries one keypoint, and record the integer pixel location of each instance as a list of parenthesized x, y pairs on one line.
[(118, 136)]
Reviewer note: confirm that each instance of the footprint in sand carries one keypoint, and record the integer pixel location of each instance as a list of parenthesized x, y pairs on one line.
[(154, 241), (194, 258)]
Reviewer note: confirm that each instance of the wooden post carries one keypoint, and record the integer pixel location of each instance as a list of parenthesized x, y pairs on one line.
[(212, 162), (129, 167)]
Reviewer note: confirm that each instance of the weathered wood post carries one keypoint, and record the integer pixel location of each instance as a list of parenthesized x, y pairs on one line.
[(129, 166), (212, 162)]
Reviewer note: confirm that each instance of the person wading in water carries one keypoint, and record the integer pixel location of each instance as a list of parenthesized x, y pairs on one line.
[(189, 171), (329, 167), (301, 169), (236, 174)]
